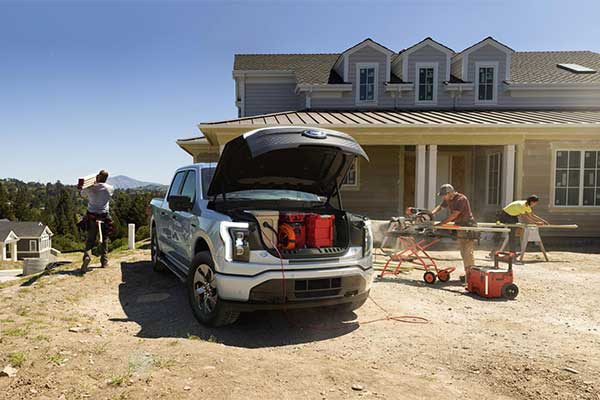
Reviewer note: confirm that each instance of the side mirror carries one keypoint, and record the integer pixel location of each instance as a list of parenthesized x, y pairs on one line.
[(180, 203)]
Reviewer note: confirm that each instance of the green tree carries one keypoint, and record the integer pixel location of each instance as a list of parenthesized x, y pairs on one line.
[(5, 204)]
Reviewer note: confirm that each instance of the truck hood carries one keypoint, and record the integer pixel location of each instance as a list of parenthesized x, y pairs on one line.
[(292, 158)]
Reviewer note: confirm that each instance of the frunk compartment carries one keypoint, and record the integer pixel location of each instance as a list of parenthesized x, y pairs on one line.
[(268, 222), (292, 230)]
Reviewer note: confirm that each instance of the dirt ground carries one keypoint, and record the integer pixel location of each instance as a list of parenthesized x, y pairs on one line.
[(126, 332)]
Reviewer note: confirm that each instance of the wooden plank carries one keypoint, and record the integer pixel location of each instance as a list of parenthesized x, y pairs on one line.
[(551, 226), (448, 227), (86, 181)]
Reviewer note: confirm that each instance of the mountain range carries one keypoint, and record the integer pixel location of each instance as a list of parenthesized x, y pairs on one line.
[(125, 182)]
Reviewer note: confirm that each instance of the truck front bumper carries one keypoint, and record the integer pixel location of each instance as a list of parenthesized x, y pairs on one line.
[(297, 288)]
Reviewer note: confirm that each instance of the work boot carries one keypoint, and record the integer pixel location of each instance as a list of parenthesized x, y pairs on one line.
[(84, 265)]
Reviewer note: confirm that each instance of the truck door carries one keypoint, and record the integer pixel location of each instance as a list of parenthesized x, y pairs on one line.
[(165, 216), (182, 221)]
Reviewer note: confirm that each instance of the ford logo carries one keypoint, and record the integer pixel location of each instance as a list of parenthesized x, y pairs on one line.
[(314, 134)]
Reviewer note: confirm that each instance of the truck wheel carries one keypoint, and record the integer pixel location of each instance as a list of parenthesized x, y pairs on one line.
[(202, 292), (157, 266), (510, 291)]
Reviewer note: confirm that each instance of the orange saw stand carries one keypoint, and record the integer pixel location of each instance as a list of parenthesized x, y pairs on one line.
[(415, 253)]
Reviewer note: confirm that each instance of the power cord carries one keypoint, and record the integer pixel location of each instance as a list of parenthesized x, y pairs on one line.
[(408, 319)]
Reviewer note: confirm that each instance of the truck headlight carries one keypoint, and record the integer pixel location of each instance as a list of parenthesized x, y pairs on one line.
[(235, 236)]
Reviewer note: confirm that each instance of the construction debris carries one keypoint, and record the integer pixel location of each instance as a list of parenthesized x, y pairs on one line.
[(9, 371)]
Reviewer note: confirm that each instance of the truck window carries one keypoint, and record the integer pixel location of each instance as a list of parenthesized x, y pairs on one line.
[(189, 186), (175, 188), (207, 176)]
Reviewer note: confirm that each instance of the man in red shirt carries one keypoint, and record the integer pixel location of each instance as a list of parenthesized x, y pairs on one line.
[(460, 213)]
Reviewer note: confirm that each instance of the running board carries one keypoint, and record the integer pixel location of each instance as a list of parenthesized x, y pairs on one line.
[(175, 270)]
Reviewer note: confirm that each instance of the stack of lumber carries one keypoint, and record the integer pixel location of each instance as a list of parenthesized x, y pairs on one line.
[(86, 181)]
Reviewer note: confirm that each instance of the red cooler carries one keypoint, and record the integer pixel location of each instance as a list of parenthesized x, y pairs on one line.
[(319, 230)]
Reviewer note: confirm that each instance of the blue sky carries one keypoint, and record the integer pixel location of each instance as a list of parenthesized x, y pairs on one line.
[(88, 85)]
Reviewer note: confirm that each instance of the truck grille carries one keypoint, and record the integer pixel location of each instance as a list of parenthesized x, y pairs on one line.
[(314, 288)]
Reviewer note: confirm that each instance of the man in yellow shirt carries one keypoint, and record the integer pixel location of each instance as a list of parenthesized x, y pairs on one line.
[(523, 209)]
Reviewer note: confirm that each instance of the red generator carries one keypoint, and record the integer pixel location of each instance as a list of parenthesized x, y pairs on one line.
[(319, 230), (493, 282), (292, 236)]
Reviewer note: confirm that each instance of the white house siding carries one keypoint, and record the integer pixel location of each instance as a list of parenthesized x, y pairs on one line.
[(263, 98)]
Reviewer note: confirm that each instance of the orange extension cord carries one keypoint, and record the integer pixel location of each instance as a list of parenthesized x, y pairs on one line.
[(408, 319)]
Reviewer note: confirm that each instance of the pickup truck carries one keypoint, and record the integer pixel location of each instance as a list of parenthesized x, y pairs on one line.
[(220, 227)]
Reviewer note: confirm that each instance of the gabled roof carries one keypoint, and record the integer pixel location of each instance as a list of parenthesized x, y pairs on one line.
[(6, 233), (428, 41), (25, 229), (487, 41)]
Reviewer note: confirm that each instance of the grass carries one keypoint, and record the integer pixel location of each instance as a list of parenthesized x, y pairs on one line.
[(173, 343), (118, 380), (99, 348), (15, 332), (42, 338), (22, 311), (16, 359), (55, 359), (192, 337), (6, 321), (167, 363)]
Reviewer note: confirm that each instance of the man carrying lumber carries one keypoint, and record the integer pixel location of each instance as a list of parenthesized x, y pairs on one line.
[(460, 213), (97, 219), (520, 209)]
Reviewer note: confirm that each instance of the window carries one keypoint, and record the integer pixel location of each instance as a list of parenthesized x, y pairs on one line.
[(351, 179), (367, 83), (189, 186), (577, 178), (176, 184), (494, 163), (576, 68), (33, 245), (486, 82), (426, 77), (426, 84)]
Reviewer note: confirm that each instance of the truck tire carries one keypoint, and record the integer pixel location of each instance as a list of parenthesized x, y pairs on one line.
[(203, 296), (157, 266)]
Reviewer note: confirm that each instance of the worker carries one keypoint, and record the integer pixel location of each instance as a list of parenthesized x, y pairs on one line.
[(98, 196), (460, 213), (520, 209)]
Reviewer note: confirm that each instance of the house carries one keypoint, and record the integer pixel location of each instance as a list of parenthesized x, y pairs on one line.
[(498, 124), (20, 240)]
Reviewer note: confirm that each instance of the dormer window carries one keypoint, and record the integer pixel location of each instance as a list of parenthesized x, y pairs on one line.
[(486, 82), (426, 76), (366, 83)]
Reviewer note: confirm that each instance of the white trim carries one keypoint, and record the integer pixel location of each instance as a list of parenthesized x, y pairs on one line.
[(426, 42), (486, 64), (338, 87), (581, 150), (552, 86), (418, 66), (399, 87), (487, 41), (459, 87), (35, 247), (358, 67)]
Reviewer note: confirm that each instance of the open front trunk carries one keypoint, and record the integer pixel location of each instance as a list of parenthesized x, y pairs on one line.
[(281, 180)]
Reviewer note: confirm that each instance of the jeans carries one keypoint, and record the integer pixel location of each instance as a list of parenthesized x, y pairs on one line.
[(92, 233)]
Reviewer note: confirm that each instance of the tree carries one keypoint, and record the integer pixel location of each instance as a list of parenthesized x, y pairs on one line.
[(22, 206), (5, 204)]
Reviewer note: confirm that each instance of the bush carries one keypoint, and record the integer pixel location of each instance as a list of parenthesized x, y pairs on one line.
[(142, 233), (67, 243)]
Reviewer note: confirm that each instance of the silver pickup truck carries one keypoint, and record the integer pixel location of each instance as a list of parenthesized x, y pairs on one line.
[(265, 228)]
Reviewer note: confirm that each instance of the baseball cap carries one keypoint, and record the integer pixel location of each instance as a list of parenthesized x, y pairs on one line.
[(445, 189)]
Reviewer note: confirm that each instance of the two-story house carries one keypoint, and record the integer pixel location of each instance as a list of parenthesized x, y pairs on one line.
[(496, 123)]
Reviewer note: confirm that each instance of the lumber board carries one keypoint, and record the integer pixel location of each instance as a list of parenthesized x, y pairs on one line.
[(470, 228), (551, 226)]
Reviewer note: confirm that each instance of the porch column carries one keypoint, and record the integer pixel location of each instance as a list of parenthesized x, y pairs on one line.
[(508, 174), (3, 252), (13, 251), (431, 176), (420, 182)]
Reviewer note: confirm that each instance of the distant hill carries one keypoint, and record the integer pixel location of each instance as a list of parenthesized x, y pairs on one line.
[(125, 182)]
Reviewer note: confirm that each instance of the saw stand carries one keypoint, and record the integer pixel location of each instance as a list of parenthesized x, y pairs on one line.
[(529, 234)]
